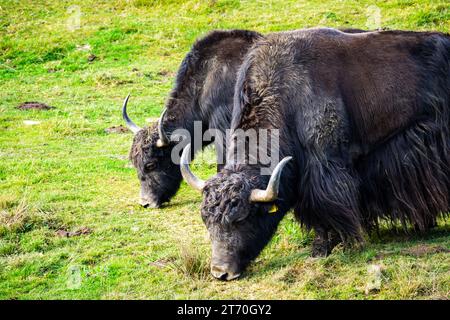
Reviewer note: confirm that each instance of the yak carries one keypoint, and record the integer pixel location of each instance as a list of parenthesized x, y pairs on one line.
[(203, 91), (363, 122)]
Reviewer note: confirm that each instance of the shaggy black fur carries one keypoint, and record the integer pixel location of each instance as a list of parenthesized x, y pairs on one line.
[(203, 91), (366, 118)]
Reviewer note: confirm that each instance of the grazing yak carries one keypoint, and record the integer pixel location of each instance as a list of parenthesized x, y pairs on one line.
[(203, 92), (363, 124)]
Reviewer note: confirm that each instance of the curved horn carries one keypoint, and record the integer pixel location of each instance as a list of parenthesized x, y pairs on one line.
[(130, 124), (186, 172), (163, 139), (271, 192)]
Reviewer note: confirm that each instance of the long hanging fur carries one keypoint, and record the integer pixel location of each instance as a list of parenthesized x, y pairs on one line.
[(403, 179), (328, 199), (406, 180)]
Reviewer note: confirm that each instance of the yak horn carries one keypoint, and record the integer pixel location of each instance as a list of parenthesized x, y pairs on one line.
[(130, 124), (163, 139), (271, 192), (186, 172)]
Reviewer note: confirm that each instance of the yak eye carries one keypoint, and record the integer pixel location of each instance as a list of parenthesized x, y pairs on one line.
[(150, 166)]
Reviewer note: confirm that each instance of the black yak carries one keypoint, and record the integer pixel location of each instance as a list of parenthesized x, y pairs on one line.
[(203, 92), (365, 118)]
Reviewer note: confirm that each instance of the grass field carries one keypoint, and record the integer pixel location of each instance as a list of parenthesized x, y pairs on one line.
[(66, 174)]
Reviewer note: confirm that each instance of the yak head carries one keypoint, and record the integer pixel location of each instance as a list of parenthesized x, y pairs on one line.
[(241, 212), (150, 154), (203, 90)]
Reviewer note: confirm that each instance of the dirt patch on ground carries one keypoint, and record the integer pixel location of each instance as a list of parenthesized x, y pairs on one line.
[(165, 73), (161, 263), (381, 256), (117, 129), (67, 234), (416, 251), (423, 250), (33, 105)]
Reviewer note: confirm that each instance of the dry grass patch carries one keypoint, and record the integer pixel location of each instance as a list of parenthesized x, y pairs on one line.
[(191, 262), (22, 217)]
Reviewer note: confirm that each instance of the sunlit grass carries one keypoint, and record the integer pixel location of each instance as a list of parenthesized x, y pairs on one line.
[(66, 172)]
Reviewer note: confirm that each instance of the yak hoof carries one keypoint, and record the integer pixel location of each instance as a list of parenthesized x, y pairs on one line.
[(320, 248), (323, 245), (320, 251)]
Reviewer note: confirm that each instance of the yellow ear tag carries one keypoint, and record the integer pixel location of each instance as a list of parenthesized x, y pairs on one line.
[(273, 209)]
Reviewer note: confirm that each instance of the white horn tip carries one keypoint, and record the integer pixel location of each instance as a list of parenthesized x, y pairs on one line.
[(186, 172), (271, 192)]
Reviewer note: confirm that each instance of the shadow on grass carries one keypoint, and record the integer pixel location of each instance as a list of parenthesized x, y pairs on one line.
[(401, 236), (388, 242), (268, 265)]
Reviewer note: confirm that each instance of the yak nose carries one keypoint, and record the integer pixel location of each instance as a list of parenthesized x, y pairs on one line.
[(146, 203), (222, 273)]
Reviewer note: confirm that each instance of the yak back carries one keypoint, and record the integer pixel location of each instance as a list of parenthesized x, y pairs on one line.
[(381, 81), (205, 80)]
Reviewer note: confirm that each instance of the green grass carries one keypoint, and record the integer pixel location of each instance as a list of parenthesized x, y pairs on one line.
[(67, 173)]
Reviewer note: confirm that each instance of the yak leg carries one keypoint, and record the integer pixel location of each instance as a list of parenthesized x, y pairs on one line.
[(324, 243), (330, 206), (320, 244), (429, 224), (333, 240)]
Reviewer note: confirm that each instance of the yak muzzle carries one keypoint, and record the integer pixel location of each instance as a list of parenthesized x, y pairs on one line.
[(223, 273), (147, 203)]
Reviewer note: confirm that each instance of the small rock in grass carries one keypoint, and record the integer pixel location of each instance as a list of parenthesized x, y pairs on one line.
[(92, 57)]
